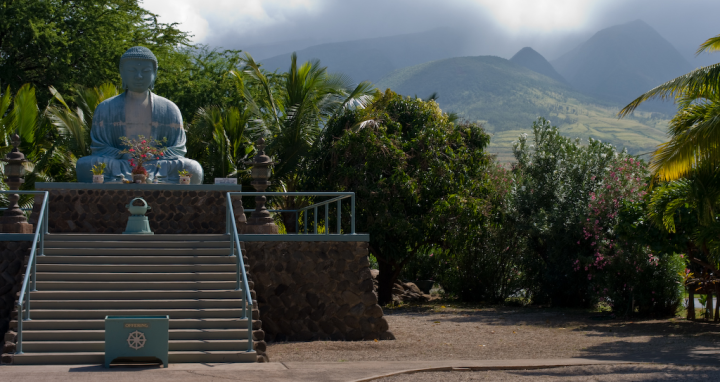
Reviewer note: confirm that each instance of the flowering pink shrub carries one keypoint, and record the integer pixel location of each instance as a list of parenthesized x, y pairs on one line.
[(624, 182)]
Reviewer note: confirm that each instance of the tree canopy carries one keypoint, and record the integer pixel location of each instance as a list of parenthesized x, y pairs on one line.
[(408, 165), (62, 43)]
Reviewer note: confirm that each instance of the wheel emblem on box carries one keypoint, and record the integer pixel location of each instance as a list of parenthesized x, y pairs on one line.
[(136, 340)]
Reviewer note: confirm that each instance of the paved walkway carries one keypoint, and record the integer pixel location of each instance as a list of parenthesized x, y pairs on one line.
[(273, 371)]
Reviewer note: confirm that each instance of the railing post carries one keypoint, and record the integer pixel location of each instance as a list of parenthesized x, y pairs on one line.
[(250, 332), (315, 216), (327, 218), (305, 221), (339, 227), (27, 304), (352, 214), (227, 215), (43, 228), (297, 229), (47, 208), (34, 274), (18, 349)]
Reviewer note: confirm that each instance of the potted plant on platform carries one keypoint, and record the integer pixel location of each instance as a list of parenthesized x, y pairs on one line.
[(141, 150), (184, 176), (98, 172)]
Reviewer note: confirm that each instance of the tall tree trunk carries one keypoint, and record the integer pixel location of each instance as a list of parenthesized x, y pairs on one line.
[(709, 309), (691, 303), (291, 224), (717, 304), (386, 279)]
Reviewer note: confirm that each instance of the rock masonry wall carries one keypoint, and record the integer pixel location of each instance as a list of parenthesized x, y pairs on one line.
[(316, 291), (12, 270), (104, 211)]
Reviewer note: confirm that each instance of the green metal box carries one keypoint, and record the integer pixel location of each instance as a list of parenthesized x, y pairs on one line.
[(136, 338)]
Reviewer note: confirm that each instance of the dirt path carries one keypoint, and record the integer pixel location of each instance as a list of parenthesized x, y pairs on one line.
[(431, 332), (615, 373)]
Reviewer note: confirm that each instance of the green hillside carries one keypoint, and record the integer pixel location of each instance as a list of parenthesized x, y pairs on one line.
[(507, 98)]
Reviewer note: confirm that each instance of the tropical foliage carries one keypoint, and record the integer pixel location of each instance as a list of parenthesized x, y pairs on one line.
[(63, 43), (695, 129), (413, 171)]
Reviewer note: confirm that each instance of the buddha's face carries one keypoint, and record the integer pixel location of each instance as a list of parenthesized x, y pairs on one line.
[(138, 75)]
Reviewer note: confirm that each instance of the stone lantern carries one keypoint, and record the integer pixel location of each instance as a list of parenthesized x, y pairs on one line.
[(13, 220), (260, 220)]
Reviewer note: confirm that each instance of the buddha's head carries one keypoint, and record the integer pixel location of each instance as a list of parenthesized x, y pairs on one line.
[(138, 69)]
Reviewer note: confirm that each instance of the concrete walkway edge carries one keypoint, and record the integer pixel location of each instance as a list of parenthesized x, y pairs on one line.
[(505, 365)]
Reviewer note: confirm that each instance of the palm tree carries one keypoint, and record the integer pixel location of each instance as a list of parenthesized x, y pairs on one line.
[(74, 124), (290, 112), (217, 139), (695, 130), (695, 203)]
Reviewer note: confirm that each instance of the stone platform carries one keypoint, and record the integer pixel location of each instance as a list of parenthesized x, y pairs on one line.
[(176, 209)]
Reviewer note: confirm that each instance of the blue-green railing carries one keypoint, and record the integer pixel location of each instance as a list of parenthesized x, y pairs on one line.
[(236, 248), (241, 273), (337, 198), (38, 246)]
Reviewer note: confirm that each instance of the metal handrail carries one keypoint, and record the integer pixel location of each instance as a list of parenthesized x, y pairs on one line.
[(236, 248), (339, 196), (23, 302), (235, 242)]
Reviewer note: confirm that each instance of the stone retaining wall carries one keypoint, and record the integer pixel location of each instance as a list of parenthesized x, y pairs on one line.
[(173, 212), (315, 291), (12, 269)]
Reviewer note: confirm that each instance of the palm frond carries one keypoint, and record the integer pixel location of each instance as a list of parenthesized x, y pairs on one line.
[(25, 113), (705, 80), (695, 137), (711, 45)]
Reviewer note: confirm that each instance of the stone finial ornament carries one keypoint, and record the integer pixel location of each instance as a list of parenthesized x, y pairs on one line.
[(13, 220)]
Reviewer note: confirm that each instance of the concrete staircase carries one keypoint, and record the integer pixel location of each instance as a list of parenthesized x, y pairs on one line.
[(83, 278)]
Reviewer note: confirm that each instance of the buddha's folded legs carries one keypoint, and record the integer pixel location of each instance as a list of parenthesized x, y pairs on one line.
[(115, 168), (168, 170)]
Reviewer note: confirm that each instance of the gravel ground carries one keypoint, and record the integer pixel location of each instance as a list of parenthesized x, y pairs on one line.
[(433, 332), (615, 373)]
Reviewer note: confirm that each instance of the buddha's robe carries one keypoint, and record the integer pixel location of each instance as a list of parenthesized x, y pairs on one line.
[(109, 125)]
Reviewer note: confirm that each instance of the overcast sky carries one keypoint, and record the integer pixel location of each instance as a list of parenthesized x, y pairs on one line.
[(497, 27)]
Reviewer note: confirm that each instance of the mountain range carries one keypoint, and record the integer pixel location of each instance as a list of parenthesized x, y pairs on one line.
[(506, 98), (621, 62), (534, 61), (581, 91), (372, 59)]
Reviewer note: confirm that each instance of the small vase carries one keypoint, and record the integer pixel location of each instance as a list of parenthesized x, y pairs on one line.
[(98, 178), (184, 180), (139, 178)]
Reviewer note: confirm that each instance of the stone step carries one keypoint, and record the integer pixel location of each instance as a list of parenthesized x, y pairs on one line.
[(99, 314), (135, 304), (128, 252), (99, 346), (94, 358), (146, 268), (44, 278), (99, 324), (90, 237), (74, 296), (180, 243), (128, 260), (138, 284), (99, 335)]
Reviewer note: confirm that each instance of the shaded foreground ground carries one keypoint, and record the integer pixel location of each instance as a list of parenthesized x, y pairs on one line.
[(615, 373), (454, 332)]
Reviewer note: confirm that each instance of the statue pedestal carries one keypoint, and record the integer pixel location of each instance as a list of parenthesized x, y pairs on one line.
[(101, 208)]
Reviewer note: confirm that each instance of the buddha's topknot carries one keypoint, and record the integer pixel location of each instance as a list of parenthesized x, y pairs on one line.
[(141, 53)]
